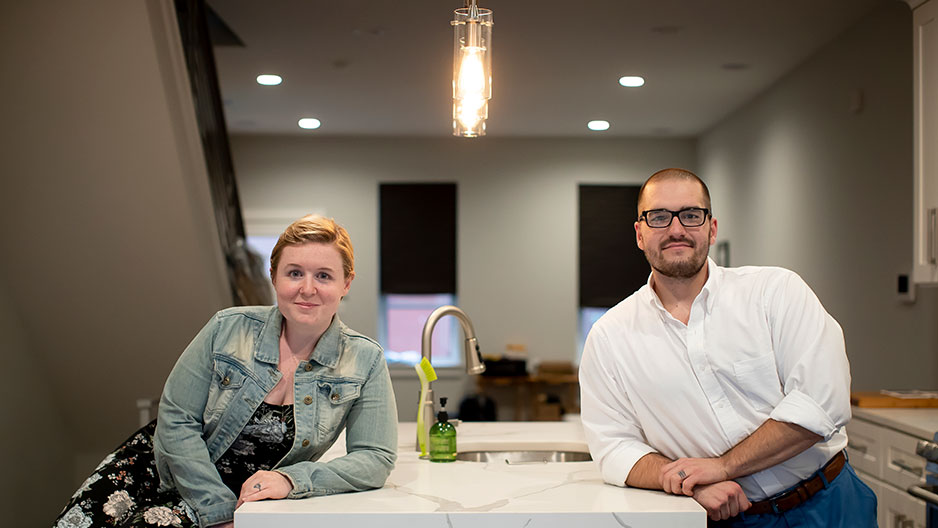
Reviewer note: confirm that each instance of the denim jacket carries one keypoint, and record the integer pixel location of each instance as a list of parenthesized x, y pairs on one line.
[(224, 375)]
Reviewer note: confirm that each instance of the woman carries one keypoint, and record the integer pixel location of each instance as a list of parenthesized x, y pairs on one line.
[(256, 398)]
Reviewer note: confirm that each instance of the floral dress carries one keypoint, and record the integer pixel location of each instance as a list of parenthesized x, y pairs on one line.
[(124, 491)]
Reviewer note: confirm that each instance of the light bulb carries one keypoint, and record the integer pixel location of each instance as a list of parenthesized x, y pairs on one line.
[(598, 125), (470, 111), (471, 79), (631, 81), (269, 79), (309, 123), (470, 88)]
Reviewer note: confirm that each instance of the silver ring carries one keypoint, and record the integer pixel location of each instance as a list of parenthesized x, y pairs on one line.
[(257, 486), (682, 474)]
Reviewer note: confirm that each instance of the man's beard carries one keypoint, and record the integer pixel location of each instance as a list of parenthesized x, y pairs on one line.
[(679, 269)]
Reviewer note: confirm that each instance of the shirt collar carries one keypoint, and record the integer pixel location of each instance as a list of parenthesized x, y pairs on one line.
[(327, 350), (707, 294), (709, 291)]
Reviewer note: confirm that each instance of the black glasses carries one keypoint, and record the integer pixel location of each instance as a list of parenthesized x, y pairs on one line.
[(689, 217)]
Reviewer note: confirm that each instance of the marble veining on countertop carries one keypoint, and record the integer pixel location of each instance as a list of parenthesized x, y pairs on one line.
[(460, 494)]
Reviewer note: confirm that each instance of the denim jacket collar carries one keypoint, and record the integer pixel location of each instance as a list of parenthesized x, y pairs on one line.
[(329, 347), (327, 350)]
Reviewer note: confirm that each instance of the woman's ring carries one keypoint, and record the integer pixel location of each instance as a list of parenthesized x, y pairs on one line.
[(258, 485), (682, 474)]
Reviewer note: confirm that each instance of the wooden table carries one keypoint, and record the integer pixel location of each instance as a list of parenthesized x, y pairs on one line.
[(526, 389)]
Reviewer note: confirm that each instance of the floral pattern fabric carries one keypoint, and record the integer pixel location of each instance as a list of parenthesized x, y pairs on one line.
[(123, 491)]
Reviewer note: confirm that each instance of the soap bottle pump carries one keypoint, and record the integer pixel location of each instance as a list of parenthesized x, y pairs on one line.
[(442, 437)]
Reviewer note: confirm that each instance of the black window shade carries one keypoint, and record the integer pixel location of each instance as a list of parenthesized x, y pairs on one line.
[(611, 265), (418, 237)]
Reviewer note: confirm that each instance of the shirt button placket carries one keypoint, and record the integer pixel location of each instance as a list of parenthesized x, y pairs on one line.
[(695, 346)]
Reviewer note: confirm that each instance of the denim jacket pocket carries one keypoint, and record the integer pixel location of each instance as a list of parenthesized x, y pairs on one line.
[(227, 380), (758, 379), (336, 397)]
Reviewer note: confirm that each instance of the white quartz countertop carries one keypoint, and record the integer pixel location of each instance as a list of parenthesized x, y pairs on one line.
[(423, 494), (921, 423)]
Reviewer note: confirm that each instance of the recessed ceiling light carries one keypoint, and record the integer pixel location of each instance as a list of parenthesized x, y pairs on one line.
[(269, 79), (598, 125), (309, 123), (631, 81)]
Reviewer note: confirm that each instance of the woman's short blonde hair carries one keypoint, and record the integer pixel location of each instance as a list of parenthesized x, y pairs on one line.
[(315, 228)]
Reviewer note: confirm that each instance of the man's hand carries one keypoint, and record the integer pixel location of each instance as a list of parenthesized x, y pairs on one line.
[(722, 500), (264, 485), (681, 476)]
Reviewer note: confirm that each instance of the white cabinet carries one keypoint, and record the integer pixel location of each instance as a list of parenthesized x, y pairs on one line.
[(885, 460), (898, 509), (865, 447), (925, 54)]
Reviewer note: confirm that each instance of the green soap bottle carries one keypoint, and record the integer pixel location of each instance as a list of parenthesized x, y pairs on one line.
[(442, 437)]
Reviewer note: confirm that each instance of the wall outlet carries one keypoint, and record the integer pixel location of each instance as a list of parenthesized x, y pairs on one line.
[(906, 289)]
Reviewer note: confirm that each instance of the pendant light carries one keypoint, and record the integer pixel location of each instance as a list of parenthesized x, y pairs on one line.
[(472, 69)]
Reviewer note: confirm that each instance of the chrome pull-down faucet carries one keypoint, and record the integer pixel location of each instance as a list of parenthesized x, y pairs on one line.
[(474, 363)]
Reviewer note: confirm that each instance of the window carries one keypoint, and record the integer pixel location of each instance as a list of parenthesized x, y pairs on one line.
[(264, 246), (587, 316), (418, 271), (403, 317), (612, 266)]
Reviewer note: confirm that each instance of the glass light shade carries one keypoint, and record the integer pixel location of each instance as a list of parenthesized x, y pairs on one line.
[(472, 70)]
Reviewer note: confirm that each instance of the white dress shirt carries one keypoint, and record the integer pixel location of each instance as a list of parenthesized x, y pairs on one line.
[(758, 345)]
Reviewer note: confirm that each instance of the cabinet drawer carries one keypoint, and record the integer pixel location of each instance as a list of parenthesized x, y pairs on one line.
[(901, 466), (898, 509), (865, 448)]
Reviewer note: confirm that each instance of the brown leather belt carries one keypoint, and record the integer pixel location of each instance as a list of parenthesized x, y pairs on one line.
[(803, 491)]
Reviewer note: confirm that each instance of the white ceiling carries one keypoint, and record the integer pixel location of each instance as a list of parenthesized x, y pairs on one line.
[(384, 68)]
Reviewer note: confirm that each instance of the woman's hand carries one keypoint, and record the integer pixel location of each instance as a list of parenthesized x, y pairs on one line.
[(264, 485)]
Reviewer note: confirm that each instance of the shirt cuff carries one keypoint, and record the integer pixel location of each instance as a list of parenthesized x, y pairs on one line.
[(617, 465), (798, 408)]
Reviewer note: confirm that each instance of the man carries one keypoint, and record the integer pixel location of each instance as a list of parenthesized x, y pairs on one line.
[(730, 385)]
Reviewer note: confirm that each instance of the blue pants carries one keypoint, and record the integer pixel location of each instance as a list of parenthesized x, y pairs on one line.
[(846, 502)]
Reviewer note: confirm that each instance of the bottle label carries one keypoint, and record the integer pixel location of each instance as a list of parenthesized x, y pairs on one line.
[(442, 448)]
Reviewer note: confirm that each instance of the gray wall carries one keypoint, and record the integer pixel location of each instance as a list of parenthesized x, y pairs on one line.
[(111, 260), (34, 442), (517, 221), (800, 180)]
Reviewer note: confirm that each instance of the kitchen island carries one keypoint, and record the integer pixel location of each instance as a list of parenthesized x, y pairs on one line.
[(423, 494)]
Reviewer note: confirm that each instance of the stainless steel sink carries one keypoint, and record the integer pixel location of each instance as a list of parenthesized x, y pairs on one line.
[(523, 457)]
